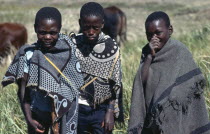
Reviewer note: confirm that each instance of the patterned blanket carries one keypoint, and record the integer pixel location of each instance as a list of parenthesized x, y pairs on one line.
[(43, 76), (101, 60)]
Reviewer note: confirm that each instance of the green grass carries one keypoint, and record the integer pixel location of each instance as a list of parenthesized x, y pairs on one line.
[(194, 33)]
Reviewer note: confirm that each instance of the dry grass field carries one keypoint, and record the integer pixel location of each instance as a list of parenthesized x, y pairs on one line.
[(190, 20)]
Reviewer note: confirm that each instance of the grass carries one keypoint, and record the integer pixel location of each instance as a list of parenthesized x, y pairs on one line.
[(194, 33)]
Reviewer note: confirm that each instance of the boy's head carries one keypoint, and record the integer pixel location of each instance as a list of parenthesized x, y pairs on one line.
[(158, 25), (91, 21), (47, 26)]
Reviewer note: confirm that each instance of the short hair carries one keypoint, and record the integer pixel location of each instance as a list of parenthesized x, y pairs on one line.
[(48, 13), (157, 16), (92, 9)]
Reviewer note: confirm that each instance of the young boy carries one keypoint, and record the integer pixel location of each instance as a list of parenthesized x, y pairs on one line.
[(101, 68), (167, 94), (48, 77)]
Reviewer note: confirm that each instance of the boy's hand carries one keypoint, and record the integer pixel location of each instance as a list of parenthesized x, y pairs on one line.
[(37, 126), (154, 44), (108, 121)]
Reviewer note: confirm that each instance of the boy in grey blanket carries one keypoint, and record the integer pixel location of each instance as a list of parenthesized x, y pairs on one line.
[(167, 96)]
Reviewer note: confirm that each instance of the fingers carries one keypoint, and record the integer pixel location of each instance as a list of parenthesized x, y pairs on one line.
[(38, 127), (109, 127), (109, 121), (155, 39), (154, 45), (39, 131), (102, 124)]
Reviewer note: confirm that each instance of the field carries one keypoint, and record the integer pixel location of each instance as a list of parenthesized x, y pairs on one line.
[(190, 20)]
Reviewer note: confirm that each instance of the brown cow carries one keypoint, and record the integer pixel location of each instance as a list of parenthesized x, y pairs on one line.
[(115, 24), (12, 37)]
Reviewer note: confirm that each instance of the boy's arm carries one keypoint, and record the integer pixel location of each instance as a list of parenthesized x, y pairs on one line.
[(109, 117), (153, 46), (24, 98), (145, 69)]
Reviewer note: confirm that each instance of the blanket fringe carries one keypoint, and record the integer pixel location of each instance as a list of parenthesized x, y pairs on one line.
[(135, 129), (195, 93), (101, 100)]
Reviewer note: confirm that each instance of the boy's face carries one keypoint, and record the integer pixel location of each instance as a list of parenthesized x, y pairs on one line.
[(158, 31), (91, 28), (47, 32)]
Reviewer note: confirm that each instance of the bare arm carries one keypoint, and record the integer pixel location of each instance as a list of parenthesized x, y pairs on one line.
[(24, 98), (109, 118), (153, 45), (145, 69)]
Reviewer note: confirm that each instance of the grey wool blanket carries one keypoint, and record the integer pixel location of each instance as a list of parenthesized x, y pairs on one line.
[(172, 101), (43, 76)]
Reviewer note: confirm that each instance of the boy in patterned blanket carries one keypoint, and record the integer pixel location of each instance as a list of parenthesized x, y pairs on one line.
[(44, 73), (100, 64)]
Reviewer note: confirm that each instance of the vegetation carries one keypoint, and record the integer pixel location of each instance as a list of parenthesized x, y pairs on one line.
[(191, 26)]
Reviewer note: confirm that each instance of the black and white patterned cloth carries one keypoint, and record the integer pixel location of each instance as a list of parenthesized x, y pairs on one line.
[(44, 76), (97, 61)]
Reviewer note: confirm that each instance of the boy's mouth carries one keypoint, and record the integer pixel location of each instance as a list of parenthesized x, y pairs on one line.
[(47, 44), (91, 38)]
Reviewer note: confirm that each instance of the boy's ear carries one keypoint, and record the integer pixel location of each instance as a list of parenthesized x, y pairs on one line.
[(35, 28), (170, 30), (102, 24), (80, 22)]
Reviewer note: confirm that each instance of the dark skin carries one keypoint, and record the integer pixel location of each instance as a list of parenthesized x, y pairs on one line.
[(47, 32), (157, 35), (91, 28)]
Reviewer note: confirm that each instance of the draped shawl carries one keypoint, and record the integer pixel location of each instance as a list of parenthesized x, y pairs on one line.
[(43, 76), (173, 100), (98, 61)]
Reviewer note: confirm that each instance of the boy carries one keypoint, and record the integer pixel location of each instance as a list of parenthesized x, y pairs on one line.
[(167, 94), (44, 73), (101, 68)]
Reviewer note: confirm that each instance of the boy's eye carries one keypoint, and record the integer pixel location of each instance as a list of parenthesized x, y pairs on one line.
[(89, 27), (85, 27), (158, 33), (44, 32), (96, 27), (53, 33), (149, 34)]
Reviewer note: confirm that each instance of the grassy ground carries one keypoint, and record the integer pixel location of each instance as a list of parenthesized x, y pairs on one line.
[(190, 19)]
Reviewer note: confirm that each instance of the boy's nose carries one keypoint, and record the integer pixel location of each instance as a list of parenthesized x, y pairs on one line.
[(47, 36), (154, 35), (91, 31)]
